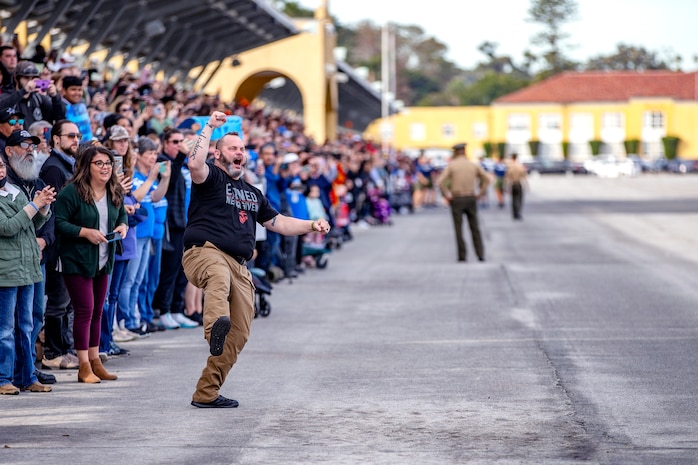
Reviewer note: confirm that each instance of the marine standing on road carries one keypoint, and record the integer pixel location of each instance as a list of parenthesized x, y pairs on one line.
[(219, 239), (515, 180), (459, 186)]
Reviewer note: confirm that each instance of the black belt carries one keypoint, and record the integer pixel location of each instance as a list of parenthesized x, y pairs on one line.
[(240, 260)]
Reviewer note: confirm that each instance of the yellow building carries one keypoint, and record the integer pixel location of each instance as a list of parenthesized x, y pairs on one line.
[(569, 114)]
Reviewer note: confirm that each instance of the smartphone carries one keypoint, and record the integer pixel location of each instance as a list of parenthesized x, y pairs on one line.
[(42, 84), (163, 167), (113, 236), (47, 135), (118, 164)]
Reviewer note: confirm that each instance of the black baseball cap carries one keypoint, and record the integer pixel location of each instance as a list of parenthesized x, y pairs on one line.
[(8, 112), (19, 136)]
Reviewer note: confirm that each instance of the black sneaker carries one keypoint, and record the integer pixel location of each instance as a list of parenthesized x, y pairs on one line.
[(219, 331), (140, 330), (197, 317), (151, 327), (45, 378), (220, 402)]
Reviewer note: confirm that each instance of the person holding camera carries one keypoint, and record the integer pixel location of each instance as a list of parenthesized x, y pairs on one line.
[(35, 98)]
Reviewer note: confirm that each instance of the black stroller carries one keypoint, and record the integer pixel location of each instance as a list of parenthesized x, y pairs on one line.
[(262, 307)]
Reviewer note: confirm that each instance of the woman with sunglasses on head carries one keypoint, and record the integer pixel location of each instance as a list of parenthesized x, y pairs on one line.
[(88, 210)]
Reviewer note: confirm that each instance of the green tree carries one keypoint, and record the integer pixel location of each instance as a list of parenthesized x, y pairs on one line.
[(553, 14), (490, 87), (292, 8), (421, 66), (497, 63), (627, 58)]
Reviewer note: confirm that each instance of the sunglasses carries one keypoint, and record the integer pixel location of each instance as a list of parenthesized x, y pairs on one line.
[(176, 141), (27, 145), (72, 135), (14, 121)]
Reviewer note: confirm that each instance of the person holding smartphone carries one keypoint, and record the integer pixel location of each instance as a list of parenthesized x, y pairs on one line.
[(149, 187), (88, 208), (35, 102)]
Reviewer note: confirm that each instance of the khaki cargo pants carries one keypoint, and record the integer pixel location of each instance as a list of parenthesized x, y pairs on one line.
[(228, 291)]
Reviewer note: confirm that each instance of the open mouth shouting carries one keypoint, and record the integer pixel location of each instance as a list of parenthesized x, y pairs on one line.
[(237, 162)]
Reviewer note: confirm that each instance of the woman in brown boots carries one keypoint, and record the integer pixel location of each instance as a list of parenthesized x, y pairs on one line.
[(90, 221)]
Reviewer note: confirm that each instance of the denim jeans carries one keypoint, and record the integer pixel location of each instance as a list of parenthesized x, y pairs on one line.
[(169, 295), (150, 282), (117, 278), (16, 364), (270, 252), (128, 297), (38, 310)]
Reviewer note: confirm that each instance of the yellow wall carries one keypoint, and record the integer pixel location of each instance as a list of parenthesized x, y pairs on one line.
[(681, 121), (302, 59), (433, 119)]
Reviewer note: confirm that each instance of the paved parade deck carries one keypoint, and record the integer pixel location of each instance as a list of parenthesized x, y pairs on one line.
[(574, 342)]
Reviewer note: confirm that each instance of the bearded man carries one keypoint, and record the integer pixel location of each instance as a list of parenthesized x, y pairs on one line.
[(23, 171)]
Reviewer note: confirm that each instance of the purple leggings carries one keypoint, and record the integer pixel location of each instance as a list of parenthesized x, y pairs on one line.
[(87, 296)]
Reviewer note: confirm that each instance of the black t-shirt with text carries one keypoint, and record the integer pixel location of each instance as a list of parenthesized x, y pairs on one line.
[(223, 211)]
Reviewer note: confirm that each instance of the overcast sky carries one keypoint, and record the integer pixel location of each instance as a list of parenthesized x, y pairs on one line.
[(663, 26)]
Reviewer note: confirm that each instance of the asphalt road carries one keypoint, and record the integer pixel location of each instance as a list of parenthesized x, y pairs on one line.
[(574, 343)]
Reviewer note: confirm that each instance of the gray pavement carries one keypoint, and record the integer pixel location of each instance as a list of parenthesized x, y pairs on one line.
[(574, 343)]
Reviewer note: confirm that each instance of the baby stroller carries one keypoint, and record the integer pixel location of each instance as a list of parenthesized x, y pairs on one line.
[(317, 253), (401, 192), (380, 207), (262, 307)]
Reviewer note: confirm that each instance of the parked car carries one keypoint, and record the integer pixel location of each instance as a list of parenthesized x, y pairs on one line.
[(654, 165), (546, 166), (611, 167), (681, 166)]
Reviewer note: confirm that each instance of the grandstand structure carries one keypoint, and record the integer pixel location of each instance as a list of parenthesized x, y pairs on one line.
[(197, 43)]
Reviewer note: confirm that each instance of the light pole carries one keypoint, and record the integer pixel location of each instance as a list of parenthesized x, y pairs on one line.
[(386, 131)]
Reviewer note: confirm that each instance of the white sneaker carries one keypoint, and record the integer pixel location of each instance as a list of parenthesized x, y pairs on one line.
[(183, 321), (123, 335), (168, 322)]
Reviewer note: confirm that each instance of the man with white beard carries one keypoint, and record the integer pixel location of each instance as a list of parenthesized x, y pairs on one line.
[(23, 172)]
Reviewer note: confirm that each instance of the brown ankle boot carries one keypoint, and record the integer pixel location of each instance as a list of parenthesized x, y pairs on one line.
[(85, 374), (99, 370)]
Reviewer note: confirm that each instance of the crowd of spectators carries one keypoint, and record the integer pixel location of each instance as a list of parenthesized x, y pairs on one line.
[(149, 125)]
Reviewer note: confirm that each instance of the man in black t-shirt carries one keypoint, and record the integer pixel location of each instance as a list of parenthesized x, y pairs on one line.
[(218, 240)]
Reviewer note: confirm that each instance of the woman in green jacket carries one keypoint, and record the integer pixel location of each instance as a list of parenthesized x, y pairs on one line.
[(90, 220), (19, 270)]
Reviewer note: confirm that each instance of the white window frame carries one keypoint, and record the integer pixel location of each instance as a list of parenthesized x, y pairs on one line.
[(448, 131), (519, 122), (550, 121), (612, 120), (653, 120), (418, 131)]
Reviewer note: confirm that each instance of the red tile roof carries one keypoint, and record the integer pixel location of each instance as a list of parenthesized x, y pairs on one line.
[(600, 86)]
